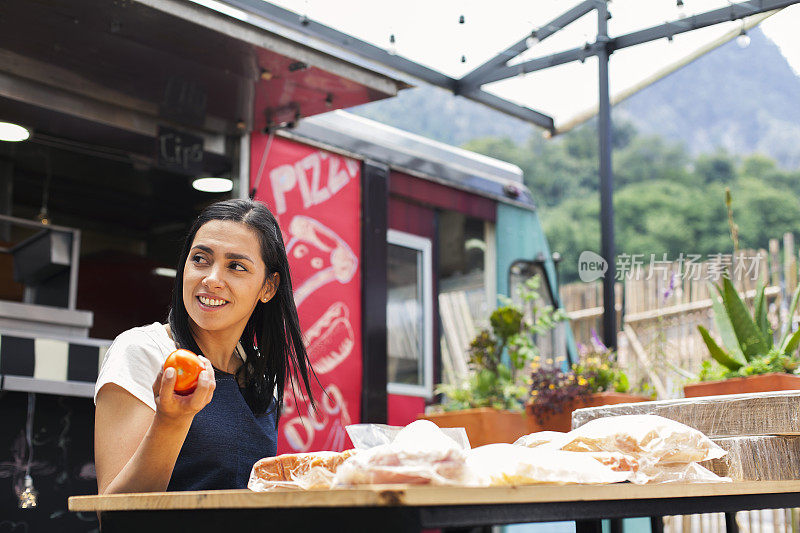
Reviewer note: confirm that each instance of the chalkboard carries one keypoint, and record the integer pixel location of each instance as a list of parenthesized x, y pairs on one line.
[(178, 151), (63, 462), (184, 101)]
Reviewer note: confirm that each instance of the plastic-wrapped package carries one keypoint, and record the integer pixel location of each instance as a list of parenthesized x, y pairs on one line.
[(762, 413), (508, 464), (554, 440), (306, 470), (366, 436), (652, 438), (544, 439), (420, 453)]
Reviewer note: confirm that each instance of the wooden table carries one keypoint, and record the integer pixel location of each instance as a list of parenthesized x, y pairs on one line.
[(390, 508)]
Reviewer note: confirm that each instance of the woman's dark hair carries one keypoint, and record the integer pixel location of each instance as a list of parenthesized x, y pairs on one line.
[(272, 340)]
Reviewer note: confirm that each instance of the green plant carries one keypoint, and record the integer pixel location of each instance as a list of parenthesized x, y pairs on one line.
[(601, 373), (748, 340), (494, 380), (552, 389)]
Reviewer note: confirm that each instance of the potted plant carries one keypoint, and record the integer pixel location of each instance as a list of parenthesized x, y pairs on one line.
[(750, 361), (490, 403), (594, 381)]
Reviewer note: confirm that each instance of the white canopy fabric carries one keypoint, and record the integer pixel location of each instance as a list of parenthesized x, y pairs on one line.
[(429, 33)]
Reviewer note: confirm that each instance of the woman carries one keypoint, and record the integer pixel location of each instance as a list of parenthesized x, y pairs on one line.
[(232, 304)]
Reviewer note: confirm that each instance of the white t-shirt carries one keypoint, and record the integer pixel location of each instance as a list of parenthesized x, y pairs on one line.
[(134, 360)]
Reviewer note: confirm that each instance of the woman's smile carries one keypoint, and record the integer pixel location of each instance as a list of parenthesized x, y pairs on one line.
[(210, 303)]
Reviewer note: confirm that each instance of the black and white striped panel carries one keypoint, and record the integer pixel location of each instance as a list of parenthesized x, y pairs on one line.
[(49, 365)]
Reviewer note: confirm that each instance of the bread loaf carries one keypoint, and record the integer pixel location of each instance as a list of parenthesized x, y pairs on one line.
[(290, 466)]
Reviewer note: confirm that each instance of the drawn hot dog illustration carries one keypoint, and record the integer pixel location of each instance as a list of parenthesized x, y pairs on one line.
[(330, 339)]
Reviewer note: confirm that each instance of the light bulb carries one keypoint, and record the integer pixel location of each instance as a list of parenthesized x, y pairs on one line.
[(43, 216), (681, 9), (213, 184), (743, 40), (29, 497), (12, 132)]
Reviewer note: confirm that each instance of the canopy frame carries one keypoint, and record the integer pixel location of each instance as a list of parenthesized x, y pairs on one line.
[(495, 69)]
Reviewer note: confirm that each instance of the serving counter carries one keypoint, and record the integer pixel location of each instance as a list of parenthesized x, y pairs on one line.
[(396, 508)]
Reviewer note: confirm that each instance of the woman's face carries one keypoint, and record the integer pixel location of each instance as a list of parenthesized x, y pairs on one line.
[(224, 276)]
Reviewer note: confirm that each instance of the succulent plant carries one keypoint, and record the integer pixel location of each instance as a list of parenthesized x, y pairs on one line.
[(748, 340)]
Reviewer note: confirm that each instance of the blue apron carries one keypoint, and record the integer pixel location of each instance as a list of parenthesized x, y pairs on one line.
[(224, 441)]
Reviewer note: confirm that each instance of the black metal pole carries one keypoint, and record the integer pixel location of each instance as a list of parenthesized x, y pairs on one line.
[(606, 184), (374, 249)]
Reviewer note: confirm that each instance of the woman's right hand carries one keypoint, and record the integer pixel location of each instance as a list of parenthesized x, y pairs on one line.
[(172, 405)]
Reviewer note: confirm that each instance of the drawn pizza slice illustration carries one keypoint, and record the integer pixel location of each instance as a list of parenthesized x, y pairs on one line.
[(318, 256)]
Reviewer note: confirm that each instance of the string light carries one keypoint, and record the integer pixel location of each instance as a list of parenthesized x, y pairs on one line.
[(681, 10), (44, 214), (392, 45), (461, 19), (463, 59), (29, 497), (743, 40), (532, 40)]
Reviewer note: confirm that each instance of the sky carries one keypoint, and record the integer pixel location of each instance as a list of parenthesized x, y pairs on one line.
[(429, 32)]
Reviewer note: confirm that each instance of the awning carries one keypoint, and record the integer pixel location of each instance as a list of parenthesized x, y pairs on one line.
[(110, 73)]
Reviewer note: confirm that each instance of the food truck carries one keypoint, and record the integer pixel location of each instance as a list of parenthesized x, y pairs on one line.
[(398, 245)]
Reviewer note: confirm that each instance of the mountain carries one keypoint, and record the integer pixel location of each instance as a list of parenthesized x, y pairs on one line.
[(739, 100)]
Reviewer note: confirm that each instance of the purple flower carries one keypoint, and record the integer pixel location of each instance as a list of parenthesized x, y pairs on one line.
[(671, 289), (598, 344)]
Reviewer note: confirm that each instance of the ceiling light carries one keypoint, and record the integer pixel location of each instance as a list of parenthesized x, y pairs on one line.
[(166, 272), (13, 132), (213, 184)]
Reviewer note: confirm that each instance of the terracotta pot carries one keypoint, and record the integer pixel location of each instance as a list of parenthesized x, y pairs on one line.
[(761, 383), (484, 425), (563, 421)]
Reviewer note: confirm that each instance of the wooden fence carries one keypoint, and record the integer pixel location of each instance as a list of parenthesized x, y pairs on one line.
[(660, 304)]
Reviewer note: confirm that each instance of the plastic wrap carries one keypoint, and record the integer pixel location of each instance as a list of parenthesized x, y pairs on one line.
[(764, 458), (366, 436), (651, 438), (257, 484), (544, 439), (676, 473), (296, 470), (420, 453), (508, 464), (763, 413)]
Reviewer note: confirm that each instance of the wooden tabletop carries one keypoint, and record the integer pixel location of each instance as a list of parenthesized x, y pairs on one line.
[(410, 495)]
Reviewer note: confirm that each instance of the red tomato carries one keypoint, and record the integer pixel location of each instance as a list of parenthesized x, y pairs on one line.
[(187, 370)]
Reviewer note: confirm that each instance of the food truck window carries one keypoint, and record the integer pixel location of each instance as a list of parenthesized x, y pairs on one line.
[(409, 316), (466, 285)]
